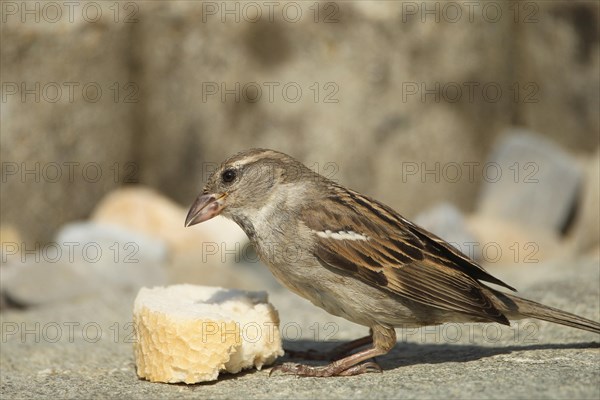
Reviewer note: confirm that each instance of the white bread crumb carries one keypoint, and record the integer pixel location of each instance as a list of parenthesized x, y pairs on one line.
[(188, 333)]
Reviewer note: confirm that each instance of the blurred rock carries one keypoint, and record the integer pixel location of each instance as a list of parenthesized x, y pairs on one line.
[(490, 240), (84, 260), (67, 116), (40, 283), (9, 233), (146, 211), (504, 242), (214, 253), (121, 257), (557, 58), (447, 222), (10, 242), (585, 233), (530, 181)]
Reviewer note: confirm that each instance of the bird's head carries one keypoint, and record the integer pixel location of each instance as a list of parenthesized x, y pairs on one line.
[(245, 183)]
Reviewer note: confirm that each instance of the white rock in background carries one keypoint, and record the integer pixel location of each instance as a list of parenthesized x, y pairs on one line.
[(121, 257), (531, 181), (85, 259), (42, 282), (447, 222)]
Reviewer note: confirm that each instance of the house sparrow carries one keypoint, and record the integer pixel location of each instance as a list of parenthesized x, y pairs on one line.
[(355, 257)]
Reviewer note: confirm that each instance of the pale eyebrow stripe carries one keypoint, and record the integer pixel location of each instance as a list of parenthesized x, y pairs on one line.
[(249, 159)]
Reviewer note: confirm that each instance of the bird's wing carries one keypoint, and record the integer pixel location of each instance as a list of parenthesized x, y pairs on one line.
[(366, 239)]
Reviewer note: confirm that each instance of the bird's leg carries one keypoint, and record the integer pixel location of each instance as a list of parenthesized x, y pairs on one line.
[(337, 352), (384, 340)]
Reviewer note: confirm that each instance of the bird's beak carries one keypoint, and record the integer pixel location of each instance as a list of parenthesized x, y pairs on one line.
[(205, 207)]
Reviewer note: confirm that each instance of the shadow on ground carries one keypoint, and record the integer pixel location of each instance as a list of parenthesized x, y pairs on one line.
[(404, 355), (408, 354)]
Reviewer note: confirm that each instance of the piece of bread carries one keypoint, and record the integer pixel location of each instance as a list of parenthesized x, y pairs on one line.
[(188, 333)]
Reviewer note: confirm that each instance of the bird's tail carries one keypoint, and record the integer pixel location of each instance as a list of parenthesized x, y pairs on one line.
[(516, 308)]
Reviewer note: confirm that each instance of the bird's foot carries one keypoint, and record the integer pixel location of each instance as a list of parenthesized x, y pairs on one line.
[(333, 369)]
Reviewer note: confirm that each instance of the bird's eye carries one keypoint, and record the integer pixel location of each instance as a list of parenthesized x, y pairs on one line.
[(228, 175)]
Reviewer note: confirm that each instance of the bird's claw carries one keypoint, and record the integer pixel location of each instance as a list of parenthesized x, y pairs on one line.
[(362, 369)]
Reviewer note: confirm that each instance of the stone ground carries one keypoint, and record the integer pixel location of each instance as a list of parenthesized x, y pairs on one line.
[(528, 360)]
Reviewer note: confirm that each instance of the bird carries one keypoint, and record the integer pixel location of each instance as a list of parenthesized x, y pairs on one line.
[(356, 258)]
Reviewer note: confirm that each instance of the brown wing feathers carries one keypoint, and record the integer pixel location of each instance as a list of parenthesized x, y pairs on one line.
[(397, 252)]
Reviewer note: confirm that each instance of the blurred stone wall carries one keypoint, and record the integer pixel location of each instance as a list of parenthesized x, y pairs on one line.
[(66, 130), (385, 97)]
